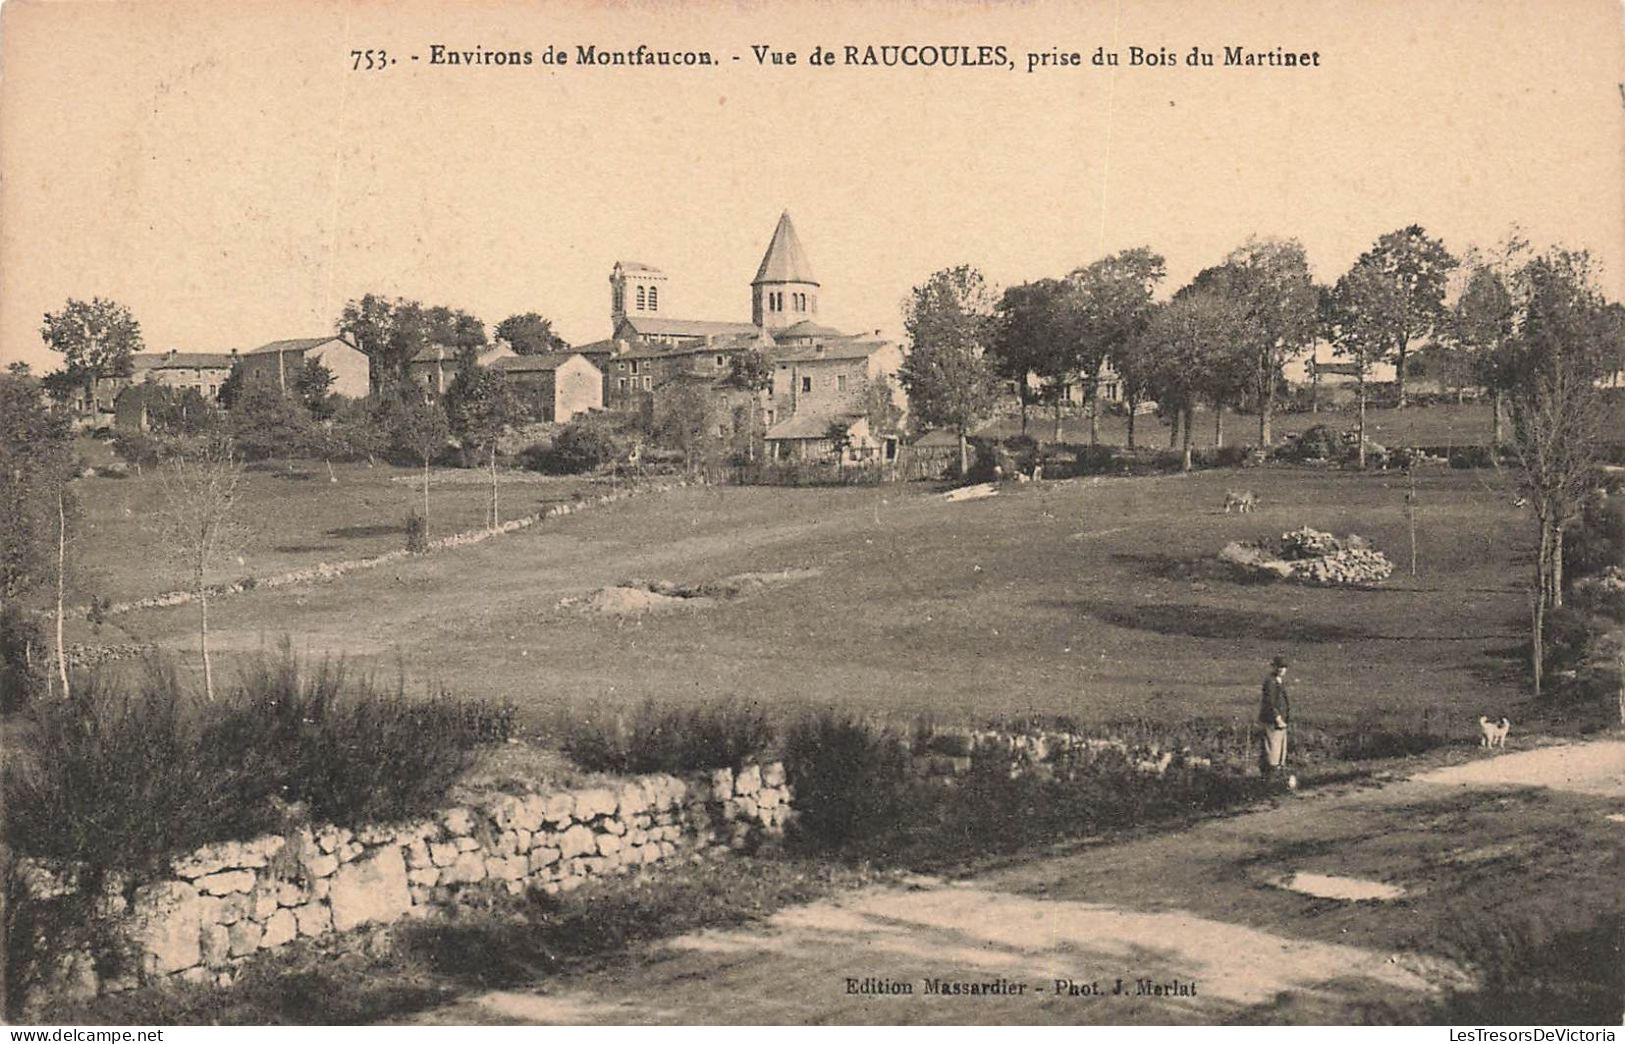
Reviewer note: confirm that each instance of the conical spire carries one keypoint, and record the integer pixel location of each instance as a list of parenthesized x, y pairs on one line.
[(785, 261)]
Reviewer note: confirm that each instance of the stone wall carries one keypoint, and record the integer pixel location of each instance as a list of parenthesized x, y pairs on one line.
[(228, 902), (323, 572)]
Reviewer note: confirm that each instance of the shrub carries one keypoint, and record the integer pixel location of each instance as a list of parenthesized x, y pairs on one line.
[(1568, 635), (22, 659), (849, 776), (584, 444), (127, 779), (1597, 541), (1321, 442), (417, 533), (652, 737), (1603, 595), (1465, 457), (1221, 456)]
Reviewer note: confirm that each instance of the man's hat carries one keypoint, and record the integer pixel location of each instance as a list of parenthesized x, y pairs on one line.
[(1279, 661)]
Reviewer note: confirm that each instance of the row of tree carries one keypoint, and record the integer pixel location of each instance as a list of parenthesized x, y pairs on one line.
[(99, 338), (1221, 340)]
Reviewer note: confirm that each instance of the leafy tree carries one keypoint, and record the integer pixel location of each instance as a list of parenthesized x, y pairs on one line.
[(1189, 339), (232, 387), (950, 381), (96, 339), (1034, 337), (419, 428), (880, 407), (198, 527), (313, 385), (390, 331), (1111, 304), (479, 406), (1267, 282), (751, 371), (266, 422), (37, 507), (1483, 321), (684, 420), (1357, 333), (1402, 290), (530, 334)]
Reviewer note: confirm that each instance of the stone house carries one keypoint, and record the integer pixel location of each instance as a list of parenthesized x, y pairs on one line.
[(820, 374), (558, 386), (281, 361), (204, 372), (435, 366)]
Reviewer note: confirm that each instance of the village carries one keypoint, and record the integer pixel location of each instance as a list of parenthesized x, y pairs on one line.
[(842, 541)]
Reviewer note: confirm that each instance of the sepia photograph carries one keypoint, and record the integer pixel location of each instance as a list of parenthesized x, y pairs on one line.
[(812, 513)]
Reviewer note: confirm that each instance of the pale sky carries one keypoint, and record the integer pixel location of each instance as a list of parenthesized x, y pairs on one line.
[(222, 170)]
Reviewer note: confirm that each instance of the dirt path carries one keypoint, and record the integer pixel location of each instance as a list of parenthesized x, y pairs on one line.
[(1207, 917)]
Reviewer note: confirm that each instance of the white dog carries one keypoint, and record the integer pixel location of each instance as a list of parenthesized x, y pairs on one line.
[(1493, 733)]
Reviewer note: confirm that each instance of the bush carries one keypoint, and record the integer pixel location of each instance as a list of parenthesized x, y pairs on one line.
[(1465, 457), (849, 777), (584, 444), (128, 779), (1321, 442), (1603, 595), (1221, 456), (1597, 541), (652, 737), (23, 654), (1568, 635), (125, 780), (417, 533)]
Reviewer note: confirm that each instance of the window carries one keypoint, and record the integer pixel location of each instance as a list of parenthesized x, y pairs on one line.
[(722, 360), (619, 295), (654, 299), (647, 383), (806, 384), (840, 382), (634, 366), (640, 298), (768, 417), (622, 367), (623, 384)]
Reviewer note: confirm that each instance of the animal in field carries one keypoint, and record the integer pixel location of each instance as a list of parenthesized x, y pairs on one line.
[(1493, 733), (1242, 500)]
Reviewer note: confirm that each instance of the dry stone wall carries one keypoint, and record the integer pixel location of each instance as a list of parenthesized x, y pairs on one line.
[(323, 572), (228, 902)]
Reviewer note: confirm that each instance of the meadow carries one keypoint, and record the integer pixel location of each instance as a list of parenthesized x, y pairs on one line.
[(1095, 599)]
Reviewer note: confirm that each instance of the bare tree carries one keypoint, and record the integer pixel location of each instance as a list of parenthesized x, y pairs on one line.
[(197, 525), (1563, 330)]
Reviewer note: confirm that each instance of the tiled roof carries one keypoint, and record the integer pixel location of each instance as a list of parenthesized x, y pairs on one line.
[(785, 261), (636, 266), (807, 328), (536, 363), (844, 349), (298, 344), (182, 361), (687, 327)]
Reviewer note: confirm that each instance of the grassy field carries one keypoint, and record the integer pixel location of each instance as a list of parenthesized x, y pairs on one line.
[(1465, 425), (296, 515), (1096, 599)]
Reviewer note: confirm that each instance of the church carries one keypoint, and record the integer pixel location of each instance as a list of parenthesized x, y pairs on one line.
[(819, 374)]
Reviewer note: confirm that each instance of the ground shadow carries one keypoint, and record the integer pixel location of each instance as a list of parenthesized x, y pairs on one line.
[(1206, 621), (302, 549), (361, 532)]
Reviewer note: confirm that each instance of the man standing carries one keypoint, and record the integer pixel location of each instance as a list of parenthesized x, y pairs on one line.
[(1273, 714)]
